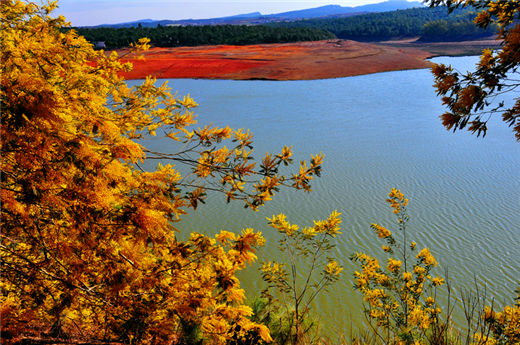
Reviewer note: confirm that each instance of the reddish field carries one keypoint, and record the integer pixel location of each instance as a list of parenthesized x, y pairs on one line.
[(290, 61)]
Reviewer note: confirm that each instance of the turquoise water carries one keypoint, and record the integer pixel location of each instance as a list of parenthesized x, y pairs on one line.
[(377, 131)]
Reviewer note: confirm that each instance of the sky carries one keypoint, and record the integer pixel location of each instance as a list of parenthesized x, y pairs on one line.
[(94, 12)]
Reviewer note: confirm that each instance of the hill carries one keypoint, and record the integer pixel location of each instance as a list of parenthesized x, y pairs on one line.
[(431, 24), (255, 18)]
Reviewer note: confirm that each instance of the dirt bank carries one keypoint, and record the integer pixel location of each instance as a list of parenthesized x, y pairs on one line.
[(459, 48), (295, 61), (290, 61)]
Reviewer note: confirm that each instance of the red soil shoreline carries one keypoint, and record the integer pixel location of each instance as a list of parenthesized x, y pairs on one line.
[(288, 61)]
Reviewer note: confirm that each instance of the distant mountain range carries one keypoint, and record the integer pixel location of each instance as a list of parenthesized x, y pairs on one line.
[(255, 18)]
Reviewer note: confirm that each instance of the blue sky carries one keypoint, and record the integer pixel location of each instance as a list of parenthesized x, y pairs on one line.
[(93, 12)]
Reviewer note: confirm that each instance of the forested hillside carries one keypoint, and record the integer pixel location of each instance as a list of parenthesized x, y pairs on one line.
[(174, 36), (455, 28), (257, 18), (430, 23)]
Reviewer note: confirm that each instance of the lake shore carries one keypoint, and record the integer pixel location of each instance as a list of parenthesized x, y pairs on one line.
[(293, 61)]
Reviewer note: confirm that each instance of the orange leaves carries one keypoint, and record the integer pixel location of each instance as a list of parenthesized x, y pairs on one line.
[(208, 135), (444, 84), (468, 97), (449, 120), (501, 327), (330, 226), (149, 219), (245, 139), (244, 247), (397, 201), (222, 303), (483, 19), (10, 203), (225, 237), (269, 164), (306, 174), (286, 155), (88, 236), (280, 223), (426, 257), (487, 60), (474, 97), (196, 196), (317, 161), (511, 117), (266, 188), (381, 231), (204, 166), (232, 166)]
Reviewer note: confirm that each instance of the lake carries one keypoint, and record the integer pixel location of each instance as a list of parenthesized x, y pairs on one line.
[(377, 131)]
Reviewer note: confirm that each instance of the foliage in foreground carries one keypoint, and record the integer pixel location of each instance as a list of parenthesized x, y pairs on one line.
[(400, 297), (398, 307), (88, 242), (474, 97), (88, 246), (291, 290)]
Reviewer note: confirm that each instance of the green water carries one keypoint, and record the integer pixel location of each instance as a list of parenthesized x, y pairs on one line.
[(377, 132)]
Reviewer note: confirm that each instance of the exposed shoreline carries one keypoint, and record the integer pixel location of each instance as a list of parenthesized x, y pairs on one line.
[(294, 61)]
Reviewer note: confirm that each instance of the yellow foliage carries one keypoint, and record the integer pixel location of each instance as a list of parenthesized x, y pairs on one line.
[(395, 296), (382, 232), (292, 293), (500, 327), (88, 241)]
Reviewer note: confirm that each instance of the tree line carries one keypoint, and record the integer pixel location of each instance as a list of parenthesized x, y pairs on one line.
[(455, 28), (429, 23), (174, 36)]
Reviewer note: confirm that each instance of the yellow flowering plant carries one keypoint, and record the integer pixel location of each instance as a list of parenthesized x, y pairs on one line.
[(294, 287), (397, 306), (500, 327), (88, 246)]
